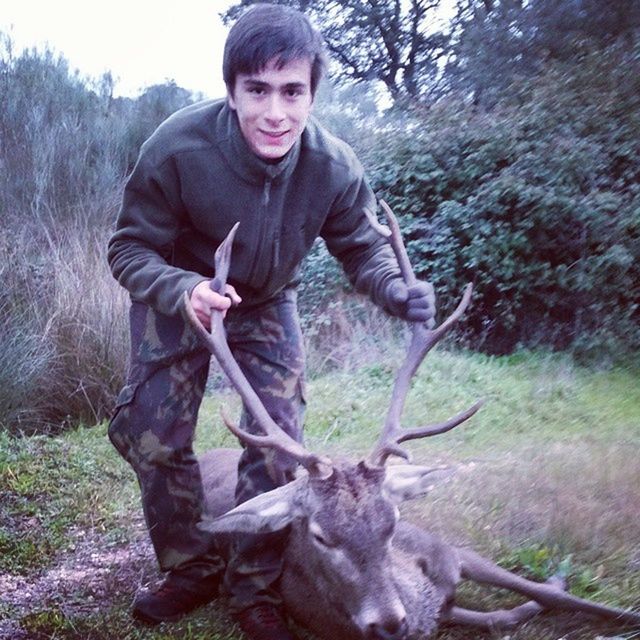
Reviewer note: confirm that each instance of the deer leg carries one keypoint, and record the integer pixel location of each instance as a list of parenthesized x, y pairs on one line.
[(475, 567), (499, 618)]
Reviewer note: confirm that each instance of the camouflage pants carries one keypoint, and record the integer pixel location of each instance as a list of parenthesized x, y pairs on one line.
[(153, 429)]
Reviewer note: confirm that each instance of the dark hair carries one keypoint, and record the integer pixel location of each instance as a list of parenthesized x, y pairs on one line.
[(269, 31)]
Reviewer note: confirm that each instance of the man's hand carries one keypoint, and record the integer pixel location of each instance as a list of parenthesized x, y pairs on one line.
[(415, 304), (204, 300)]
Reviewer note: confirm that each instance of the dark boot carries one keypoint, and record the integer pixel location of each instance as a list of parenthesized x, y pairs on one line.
[(263, 622), (173, 599)]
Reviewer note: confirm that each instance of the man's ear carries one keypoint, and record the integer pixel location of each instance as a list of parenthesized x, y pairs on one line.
[(230, 99), (405, 481), (267, 512)]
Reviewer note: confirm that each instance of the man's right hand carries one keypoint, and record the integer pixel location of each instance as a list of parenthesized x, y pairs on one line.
[(204, 300)]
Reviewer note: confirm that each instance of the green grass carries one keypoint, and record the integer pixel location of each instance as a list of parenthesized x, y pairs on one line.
[(547, 477), (212, 624), (53, 485)]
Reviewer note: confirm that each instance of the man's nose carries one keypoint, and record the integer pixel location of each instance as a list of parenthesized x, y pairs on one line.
[(275, 111)]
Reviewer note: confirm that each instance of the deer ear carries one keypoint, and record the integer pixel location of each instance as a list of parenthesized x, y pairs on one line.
[(405, 481), (267, 512)]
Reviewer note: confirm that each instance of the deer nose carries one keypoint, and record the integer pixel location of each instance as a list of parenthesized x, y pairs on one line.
[(391, 629)]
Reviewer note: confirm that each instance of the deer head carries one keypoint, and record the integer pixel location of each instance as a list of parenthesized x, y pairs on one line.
[(342, 516)]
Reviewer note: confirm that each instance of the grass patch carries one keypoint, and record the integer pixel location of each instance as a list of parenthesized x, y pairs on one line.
[(211, 623), (547, 478), (53, 486)]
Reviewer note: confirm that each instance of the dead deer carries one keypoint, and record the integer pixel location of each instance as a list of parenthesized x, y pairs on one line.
[(352, 568)]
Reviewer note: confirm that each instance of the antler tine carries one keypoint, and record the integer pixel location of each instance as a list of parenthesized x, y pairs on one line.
[(422, 341), (222, 260), (274, 437), (395, 238)]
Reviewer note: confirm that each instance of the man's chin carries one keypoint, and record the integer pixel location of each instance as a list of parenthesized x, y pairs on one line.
[(272, 152)]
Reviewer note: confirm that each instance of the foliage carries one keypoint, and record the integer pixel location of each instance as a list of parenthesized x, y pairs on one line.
[(418, 58), (65, 147), (63, 328), (349, 111), (392, 42), (497, 41), (66, 140), (537, 202)]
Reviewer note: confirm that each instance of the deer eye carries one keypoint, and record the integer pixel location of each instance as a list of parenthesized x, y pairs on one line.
[(319, 537), (322, 540)]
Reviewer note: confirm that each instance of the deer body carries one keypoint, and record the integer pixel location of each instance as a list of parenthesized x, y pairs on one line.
[(353, 570)]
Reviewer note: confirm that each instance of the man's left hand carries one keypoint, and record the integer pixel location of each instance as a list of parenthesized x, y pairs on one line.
[(416, 303)]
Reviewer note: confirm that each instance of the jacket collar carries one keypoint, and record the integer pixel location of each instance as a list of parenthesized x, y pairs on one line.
[(242, 160)]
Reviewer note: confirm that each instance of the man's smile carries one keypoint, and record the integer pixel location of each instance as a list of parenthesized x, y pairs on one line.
[(273, 134)]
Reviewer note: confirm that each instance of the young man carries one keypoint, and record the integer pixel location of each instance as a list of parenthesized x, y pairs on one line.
[(256, 157)]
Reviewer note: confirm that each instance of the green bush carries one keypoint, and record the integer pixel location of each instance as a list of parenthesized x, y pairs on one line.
[(537, 202)]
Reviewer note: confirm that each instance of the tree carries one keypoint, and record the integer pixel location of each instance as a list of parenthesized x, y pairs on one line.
[(389, 41), (495, 42)]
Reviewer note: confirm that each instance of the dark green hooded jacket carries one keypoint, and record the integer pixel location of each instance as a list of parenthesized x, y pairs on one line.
[(196, 177)]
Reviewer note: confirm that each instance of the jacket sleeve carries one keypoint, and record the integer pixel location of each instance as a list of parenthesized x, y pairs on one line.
[(150, 220), (366, 257)]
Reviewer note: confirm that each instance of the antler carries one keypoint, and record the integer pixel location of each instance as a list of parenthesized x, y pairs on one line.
[(274, 437), (422, 340)]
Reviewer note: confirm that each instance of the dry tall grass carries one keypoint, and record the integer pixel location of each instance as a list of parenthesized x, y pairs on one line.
[(63, 328), (572, 497)]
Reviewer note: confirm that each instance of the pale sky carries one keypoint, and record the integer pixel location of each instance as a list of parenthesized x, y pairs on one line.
[(142, 42)]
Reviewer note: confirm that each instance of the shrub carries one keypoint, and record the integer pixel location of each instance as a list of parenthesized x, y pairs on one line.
[(537, 202), (66, 146)]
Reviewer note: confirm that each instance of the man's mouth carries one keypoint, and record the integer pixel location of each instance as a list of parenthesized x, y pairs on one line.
[(273, 135)]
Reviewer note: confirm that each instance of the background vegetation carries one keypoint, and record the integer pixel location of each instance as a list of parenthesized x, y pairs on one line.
[(66, 146), (510, 149)]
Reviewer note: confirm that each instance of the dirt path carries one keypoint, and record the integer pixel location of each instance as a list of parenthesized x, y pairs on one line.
[(84, 581)]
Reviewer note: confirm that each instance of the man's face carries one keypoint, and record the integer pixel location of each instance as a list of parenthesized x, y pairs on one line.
[(273, 106)]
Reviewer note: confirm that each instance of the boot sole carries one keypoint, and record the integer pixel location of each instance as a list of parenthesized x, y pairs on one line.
[(152, 621)]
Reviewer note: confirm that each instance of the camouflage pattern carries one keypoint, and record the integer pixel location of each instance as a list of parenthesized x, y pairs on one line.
[(153, 429)]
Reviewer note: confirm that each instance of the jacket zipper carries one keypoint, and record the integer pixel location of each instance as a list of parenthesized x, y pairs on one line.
[(261, 249), (275, 231), (266, 193), (275, 228)]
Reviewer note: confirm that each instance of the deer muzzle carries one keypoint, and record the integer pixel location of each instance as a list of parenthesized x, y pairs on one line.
[(389, 623)]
